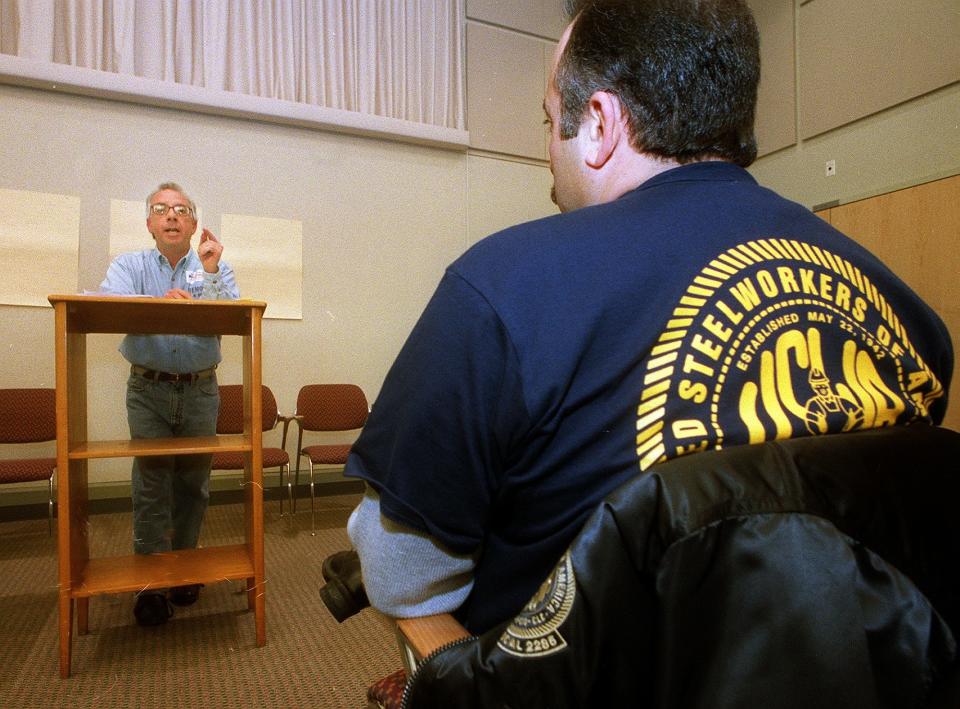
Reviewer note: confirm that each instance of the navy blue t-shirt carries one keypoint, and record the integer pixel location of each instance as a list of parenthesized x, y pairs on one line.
[(561, 357)]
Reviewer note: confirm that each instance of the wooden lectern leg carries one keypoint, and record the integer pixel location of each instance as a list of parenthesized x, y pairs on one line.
[(83, 610), (256, 601), (259, 614), (66, 632)]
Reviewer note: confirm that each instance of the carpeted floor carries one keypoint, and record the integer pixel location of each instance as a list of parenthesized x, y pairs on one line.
[(206, 655)]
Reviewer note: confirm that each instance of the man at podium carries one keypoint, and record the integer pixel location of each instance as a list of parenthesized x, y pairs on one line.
[(172, 389)]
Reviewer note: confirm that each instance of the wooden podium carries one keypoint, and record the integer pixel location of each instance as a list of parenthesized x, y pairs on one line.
[(81, 577)]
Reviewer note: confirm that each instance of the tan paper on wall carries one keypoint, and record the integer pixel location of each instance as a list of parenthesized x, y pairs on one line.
[(267, 256), (39, 244), (128, 227)]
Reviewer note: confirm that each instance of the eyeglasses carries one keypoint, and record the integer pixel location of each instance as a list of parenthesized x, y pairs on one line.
[(181, 210)]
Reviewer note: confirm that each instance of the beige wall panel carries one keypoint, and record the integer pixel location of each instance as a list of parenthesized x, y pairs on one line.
[(544, 18), (549, 50), (916, 231), (505, 81), (776, 123), (915, 142), (857, 58), (128, 226), (504, 193), (380, 220)]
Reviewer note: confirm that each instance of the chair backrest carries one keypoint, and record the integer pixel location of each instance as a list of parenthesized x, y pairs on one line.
[(332, 407), (230, 416), (811, 572), (28, 415)]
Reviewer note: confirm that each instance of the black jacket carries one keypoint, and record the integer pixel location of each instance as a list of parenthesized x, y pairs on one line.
[(815, 572)]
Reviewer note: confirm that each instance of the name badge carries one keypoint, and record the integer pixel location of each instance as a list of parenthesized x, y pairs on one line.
[(194, 277)]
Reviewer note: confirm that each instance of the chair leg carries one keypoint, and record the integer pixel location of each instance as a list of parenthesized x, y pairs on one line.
[(313, 522), (50, 506), (285, 487), (289, 491), (280, 485), (296, 481)]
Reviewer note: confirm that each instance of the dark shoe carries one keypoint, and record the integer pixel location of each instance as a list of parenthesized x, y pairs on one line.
[(343, 594), (152, 609), (185, 595)]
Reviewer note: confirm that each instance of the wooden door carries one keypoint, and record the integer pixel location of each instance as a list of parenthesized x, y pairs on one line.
[(916, 231)]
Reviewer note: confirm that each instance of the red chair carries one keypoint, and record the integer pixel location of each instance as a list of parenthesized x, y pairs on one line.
[(230, 420), (324, 408), (29, 416)]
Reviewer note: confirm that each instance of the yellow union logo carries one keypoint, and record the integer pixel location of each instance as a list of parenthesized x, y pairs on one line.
[(776, 338)]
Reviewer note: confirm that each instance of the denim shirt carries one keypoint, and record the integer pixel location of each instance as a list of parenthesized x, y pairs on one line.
[(148, 272)]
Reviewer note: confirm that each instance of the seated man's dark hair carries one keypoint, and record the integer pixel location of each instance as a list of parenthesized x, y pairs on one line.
[(686, 72)]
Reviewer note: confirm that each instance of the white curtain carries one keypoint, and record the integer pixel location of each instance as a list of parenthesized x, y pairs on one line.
[(395, 58)]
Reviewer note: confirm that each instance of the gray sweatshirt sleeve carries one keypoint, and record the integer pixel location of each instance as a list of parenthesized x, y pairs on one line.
[(406, 573)]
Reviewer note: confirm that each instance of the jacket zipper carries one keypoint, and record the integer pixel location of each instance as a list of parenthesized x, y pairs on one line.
[(455, 643)]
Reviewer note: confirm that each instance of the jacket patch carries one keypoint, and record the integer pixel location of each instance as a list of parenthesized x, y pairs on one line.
[(535, 631)]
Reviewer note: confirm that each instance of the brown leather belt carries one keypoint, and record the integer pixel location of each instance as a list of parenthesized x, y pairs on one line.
[(186, 377)]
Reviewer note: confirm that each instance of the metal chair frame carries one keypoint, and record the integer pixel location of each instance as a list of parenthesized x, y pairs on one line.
[(326, 408)]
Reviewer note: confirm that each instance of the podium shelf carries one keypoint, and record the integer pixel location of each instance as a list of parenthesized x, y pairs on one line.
[(139, 572), (232, 443)]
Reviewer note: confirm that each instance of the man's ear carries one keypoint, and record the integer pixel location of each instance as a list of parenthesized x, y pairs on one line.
[(607, 129)]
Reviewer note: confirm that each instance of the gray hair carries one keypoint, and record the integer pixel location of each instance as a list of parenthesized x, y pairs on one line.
[(176, 188), (571, 8)]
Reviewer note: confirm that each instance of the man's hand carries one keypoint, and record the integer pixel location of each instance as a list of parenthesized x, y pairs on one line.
[(178, 294), (209, 250)]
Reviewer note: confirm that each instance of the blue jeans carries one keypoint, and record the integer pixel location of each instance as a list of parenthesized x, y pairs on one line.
[(170, 492)]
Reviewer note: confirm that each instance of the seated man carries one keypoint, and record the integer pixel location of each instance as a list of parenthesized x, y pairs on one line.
[(673, 307)]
